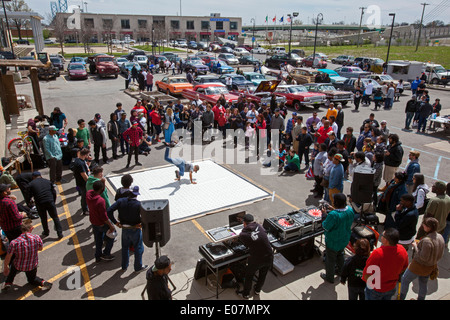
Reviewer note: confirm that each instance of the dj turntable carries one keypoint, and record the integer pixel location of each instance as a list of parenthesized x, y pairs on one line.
[(215, 252), (316, 214), (283, 227)]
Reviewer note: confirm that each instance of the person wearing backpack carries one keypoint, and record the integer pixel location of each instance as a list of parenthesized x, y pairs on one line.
[(420, 191)]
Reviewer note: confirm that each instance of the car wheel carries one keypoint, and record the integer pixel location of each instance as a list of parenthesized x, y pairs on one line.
[(344, 103), (434, 81), (297, 105)]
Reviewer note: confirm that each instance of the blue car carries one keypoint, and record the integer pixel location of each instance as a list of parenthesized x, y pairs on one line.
[(223, 68), (238, 82), (78, 60), (335, 78), (128, 66)]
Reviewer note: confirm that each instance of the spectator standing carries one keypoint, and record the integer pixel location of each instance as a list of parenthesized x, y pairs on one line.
[(10, 217), (410, 110), (385, 264), (350, 140), (113, 134), (353, 270), (22, 256), (97, 175), (337, 226), (336, 184), (81, 172), (100, 222), (425, 109), (58, 119), (123, 124), (318, 170), (158, 280), (412, 168), (44, 194), (392, 158), (415, 86), (332, 111), (83, 133), (98, 139), (322, 132), (304, 143), (129, 209), (427, 254), (405, 220), (53, 154), (438, 207), (133, 136), (339, 120)]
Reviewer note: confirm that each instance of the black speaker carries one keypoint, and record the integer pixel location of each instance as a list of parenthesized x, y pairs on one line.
[(362, 187), (155, 217)]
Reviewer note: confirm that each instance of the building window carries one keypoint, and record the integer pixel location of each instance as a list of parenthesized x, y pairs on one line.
[(142, 24), (108, 24), (89, 23), (125, 23), (219, 25), (190, 25), (233, 25), (175, 24), (205, 25)]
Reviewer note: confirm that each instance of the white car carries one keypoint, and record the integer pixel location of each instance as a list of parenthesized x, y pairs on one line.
[(141, 59), (121, 61), (228, 58), (49, 41), (181, 44), (241, 52), (259, 50)]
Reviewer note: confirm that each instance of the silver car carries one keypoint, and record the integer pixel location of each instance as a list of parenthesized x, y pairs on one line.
[(352, 72), (228, 58)]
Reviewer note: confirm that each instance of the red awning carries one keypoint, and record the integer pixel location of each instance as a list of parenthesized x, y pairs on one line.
[(175, 32), (205, 33), (233, 33), (190, 32), (126, 32)]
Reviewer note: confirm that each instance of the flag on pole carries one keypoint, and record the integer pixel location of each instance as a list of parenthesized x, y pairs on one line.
[(289, 19), (281, 20), (267, 19), (274, 19)]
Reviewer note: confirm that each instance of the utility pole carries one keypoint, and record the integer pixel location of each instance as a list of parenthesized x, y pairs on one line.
[(360, 24), (421, 22), (390, 37)]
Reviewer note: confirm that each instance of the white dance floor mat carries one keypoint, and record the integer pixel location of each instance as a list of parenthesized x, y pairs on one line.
[(217, 189)]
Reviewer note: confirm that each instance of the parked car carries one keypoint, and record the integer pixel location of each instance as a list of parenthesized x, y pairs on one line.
[(238, 82), (298, 96), (78, 60), (221, 68), (278, 50), (104, 65), (181, 43), (277, 60), (228, 58), (173, 85), (208, 59), (206, 79), (330, 91), (259, 50), (240, 52), (142, 60), (299, 52), (263, 93), (127, 66), (202, 54), (132, 54), (226, 50), (194, 59), (49, 41), (214, 47), (77, 71), (60, 56), (120, 61), (192, 45), (309, 62), (255, 77), (335, 78), (22, 41), (349, 84), (210, 92), (304, 75), (320, 55), (249, 60), (343, 59), (386, 79), (57, 63), (352, 72), (169, 54), (201, 46), (196, 66)]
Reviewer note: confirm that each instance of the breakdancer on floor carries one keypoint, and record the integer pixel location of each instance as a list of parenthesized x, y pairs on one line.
[(182, 165)]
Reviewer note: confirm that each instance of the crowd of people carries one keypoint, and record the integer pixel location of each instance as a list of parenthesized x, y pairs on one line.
[(330, 157)]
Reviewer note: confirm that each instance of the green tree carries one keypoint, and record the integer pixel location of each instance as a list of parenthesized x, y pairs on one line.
[(18, 6)]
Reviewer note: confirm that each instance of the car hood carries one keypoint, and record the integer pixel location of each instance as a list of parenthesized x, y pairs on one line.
[(106, 64), (338, 78), (267, 86), (76, 71)]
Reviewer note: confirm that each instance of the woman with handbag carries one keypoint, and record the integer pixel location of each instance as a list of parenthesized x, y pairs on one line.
[(427, 254)]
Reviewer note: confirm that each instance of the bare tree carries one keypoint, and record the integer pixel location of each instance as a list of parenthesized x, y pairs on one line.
[(18, 6), (59, 25), (108, 26)]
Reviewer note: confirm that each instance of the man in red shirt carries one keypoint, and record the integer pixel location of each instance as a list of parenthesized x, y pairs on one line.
[(384, 267), (134, 136), (322, 132), (10, 217), (155, 118), (100, 222), (25, 251)]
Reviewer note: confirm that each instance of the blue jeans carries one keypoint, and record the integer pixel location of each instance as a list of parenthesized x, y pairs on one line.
[(409, 117), (179, 162), (446, 232), (375, 295), (132, 237), (407, 278), (333, 259), (388, 102), (291, 167), (99, 236), (422, 123)]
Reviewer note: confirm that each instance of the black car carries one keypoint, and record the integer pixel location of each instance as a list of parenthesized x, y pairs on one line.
[(277, 60), (131, 55), (57, 63), (298, 52), (201, 46), (248, 60), (22, 41), (238, 82), (206, 79)]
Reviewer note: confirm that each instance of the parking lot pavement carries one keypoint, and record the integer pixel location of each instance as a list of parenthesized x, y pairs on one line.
[(69, 263)]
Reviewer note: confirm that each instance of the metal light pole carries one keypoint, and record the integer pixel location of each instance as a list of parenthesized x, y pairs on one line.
[(390, 37), (294, 14), (8, 30), (253, 37), (360, 24), (315, 37), (421, 22)]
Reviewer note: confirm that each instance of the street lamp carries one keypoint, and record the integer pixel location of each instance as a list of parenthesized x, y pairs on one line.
[(319, 20), (294, 14), (253, 36), (390, 37)]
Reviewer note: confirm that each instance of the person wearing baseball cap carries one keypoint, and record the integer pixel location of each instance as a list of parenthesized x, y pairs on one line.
[(254, 237), (336, 182), (53, 154), (412, 168), (11, 217), (158, 279)]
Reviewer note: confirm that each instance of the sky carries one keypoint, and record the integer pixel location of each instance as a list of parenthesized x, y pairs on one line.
[(332, 10)]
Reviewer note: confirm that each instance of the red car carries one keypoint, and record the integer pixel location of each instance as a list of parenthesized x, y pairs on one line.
[(298, 96), (208, 59), (77, 71), (210, 92), (308, 62)]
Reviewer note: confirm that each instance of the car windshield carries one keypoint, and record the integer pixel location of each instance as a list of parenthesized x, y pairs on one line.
[(105, 59), (122, 60), (77, 59), (239, 78), (76, 67), (355, 69), (257, 77), (216, 90), (223, 64), (55, 60), (440, 69), (297, 89), (386, 77), (178, 80), (295, 56), (326, 87), (228, 56), (141, 58)]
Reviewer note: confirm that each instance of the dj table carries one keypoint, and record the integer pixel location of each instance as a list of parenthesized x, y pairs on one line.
[(291, 234)]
